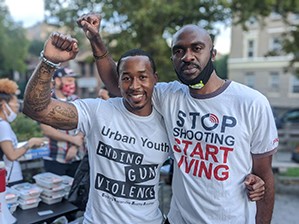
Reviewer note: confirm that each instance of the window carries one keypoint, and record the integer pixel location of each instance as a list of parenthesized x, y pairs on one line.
[(83, 70), (275, 44), (295, 84), (251, 21), (250, 48), (275, 15), (250, 79), (295, 16), (91, 69), (274, 81)]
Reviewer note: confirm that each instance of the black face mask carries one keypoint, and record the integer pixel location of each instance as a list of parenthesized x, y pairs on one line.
[(202, 78)]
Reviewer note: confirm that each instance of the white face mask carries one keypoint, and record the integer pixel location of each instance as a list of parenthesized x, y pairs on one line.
[(12, 115)]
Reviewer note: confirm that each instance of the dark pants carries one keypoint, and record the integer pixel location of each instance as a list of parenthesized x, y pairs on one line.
[(68, 169), (166, 221)]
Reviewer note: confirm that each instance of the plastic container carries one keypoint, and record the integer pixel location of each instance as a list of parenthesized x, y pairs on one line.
[(57, 191), (29, 203), (51, 200), (35, 153), (67, 182), (11, 195), (27, 190), (48, 180), (12, 207)]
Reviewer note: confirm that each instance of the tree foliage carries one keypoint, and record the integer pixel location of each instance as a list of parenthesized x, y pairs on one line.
[(150, 24), (13, 44), (243, 10), (35, 47), (26, 128), (221, 66), (141, 24)]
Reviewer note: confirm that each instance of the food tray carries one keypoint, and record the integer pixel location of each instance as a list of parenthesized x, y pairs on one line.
[(51, 200), (11, 195), (48, 180), (30, 203), (27, 190)]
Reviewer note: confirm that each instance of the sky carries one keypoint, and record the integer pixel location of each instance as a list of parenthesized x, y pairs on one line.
[(28, 12), (32, 11), (222, 41)]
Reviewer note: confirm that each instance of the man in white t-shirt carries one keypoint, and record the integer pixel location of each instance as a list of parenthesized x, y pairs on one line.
[(125, 136), (219, 131)]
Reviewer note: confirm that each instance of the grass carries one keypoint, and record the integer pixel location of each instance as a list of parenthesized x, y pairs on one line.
[(291, 172)]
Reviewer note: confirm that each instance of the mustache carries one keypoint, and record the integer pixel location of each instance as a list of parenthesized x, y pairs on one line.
[(185, 65)]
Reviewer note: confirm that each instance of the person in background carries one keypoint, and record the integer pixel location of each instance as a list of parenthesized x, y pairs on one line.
[(219, 131), (9, 149), (66, 147), (103, 93)]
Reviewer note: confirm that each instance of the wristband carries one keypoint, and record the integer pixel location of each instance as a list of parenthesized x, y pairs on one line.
[(46, 61), (101, 56)]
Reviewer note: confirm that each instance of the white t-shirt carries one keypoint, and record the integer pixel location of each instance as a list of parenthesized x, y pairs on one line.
[(125, 153), (213, 138), (13, 168)]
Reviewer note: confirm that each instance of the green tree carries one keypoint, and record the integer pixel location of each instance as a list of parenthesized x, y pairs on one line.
[(13, 44), (141, 24), (26, 128), (221, 66), (150, 24), (35, 47)]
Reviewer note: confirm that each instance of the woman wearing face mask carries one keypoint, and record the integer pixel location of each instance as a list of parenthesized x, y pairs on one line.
[(9, 152)]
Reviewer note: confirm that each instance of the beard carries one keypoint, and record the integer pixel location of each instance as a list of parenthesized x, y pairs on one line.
[(201, 79)]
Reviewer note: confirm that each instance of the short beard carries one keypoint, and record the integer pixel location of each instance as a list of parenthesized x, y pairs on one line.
[(202, 78)]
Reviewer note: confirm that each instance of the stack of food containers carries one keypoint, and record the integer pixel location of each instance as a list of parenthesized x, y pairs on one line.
[(52, 187), (11, 198), (29, 195), (67, 181)]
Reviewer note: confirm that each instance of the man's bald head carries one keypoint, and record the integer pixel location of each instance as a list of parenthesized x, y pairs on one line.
[(199, 33)]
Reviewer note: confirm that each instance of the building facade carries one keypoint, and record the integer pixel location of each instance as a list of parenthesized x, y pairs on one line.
[(257, 60)]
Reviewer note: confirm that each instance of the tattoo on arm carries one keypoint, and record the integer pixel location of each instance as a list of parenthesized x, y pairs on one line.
[(39, 90), (41, 107), (64, 117)]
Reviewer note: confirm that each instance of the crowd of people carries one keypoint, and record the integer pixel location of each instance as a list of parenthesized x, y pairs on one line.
[(213, 129)]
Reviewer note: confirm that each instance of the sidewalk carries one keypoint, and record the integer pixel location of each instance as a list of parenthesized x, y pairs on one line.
[(287, 191), (285, 207), (286, 196)]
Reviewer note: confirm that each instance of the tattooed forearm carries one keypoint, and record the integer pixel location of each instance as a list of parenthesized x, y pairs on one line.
[(38, 91), (38, 102), (39, 105)]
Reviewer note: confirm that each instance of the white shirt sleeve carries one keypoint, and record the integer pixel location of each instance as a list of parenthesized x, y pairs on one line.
[(265, 137)]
